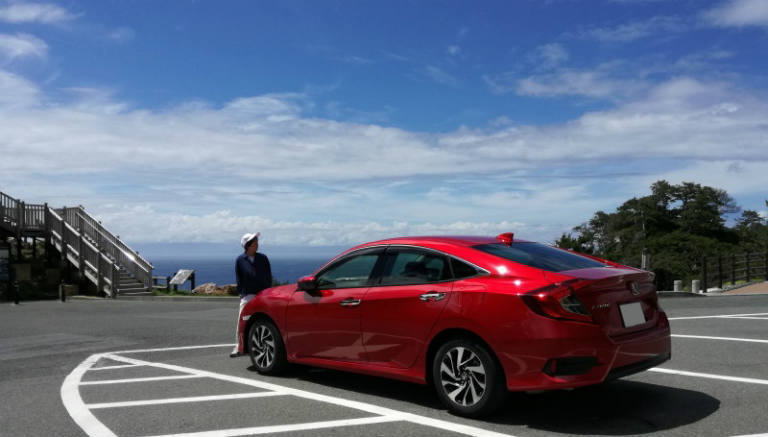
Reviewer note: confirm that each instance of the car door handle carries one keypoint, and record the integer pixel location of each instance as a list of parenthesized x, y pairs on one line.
[(350, 302), (432, 296)]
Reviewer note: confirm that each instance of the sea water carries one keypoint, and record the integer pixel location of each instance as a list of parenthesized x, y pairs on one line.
[(221, 270)]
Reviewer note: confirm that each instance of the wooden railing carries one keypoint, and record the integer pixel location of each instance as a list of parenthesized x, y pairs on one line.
[(109, 244), (80, 238), (734, 269), (75, 248)]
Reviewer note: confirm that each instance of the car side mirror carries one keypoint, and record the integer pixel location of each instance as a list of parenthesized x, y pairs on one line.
[(307, 283)]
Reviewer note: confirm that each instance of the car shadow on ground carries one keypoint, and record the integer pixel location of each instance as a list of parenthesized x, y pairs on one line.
[(621, 407)]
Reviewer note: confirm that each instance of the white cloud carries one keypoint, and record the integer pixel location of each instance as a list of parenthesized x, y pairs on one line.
[(22, 45), (122, 34), (601, 82), (439, 75), (739, 13), (46, 13), (206, 172), (453, 50), (15, 92), (656, 26), (551, 55)]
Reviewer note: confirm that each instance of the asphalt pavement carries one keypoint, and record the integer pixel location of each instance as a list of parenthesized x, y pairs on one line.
[(151, 368)]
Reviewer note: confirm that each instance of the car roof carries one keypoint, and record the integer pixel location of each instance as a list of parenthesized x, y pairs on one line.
[(456, 240)]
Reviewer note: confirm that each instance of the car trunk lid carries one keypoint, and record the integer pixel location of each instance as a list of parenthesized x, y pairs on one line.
[(622, 301)]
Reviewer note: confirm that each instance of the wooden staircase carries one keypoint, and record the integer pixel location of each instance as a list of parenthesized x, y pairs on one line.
[(82, 241)]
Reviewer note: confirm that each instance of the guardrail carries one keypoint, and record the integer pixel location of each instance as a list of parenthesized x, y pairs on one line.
[(733, 268)]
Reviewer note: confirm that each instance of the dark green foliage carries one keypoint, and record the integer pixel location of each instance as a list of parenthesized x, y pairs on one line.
[(676, 224)]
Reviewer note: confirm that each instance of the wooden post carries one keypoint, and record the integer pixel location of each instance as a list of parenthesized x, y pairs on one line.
[(720, 271), (765, 260), (100, 273), (704, 274), (192, 281), (746, 262), (81, 253), (167, 283), (115, 280)]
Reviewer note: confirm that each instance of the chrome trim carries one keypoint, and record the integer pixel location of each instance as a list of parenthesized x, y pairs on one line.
[(433, 296)]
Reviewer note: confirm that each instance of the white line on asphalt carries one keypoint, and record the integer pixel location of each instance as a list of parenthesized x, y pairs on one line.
[(710, 376), (706, 337), (120, 366), (70, 397), (168, 349), (375, 409), (149, 379), (721, 316), (260, 394), (747, 318), (287, 428)]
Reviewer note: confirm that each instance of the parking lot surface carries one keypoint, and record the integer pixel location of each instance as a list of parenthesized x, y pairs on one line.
[(147, 368)]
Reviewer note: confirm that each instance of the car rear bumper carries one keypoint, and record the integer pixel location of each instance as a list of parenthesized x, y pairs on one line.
[(574, 355)]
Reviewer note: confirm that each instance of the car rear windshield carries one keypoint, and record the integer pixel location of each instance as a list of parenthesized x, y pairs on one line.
[(540, 256)]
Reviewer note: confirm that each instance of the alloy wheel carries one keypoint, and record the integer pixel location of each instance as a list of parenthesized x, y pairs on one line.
[(463, 376), (263, 344)]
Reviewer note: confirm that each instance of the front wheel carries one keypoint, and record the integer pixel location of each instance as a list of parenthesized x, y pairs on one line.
[(266, 348), (468, 379)]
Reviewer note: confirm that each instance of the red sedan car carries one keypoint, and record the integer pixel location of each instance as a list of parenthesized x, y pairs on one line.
[(474, 316)]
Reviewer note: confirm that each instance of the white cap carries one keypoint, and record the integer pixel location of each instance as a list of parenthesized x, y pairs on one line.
[(248, 237)]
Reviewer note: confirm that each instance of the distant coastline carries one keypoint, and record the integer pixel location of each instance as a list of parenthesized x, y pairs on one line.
[(221, 271)]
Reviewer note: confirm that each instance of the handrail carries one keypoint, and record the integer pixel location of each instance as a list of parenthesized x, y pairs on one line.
[(73, 228), (103, 232)]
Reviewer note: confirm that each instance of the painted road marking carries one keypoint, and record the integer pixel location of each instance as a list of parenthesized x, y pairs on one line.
[(149, 379), (288, 428), (119, 366), (179, 348), (81, 412), (721, 316), (260, 394), (706, 337), (710, 376)]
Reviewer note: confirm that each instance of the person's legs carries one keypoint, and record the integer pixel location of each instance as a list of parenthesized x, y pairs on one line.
[(243, 301)]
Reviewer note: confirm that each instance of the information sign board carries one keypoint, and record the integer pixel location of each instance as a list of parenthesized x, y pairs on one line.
[(181, 277)]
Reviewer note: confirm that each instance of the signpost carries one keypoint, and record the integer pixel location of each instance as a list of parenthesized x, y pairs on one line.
[(181, 277)]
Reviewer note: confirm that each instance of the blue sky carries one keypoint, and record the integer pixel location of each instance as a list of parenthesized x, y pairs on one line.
[(328, 123)]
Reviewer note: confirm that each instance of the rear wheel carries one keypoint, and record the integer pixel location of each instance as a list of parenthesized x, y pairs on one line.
[(266, 347), (468, 379)]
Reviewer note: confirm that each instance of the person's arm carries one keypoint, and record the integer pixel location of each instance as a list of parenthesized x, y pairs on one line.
[(238, 278), (269, 272)]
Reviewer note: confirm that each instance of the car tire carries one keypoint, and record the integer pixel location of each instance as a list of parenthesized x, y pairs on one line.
[(266, 348), (468, 379)]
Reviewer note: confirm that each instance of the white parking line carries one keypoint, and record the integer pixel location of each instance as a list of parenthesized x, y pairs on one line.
[(149, 379), (260, 394), (710, 376), (119, 366), (82, 415), (721, 316), (706, 337), (179, 348), (288, 428)]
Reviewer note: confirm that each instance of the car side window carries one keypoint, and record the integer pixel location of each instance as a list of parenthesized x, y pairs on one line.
[(462, 269), (413, 266), (354, 271)]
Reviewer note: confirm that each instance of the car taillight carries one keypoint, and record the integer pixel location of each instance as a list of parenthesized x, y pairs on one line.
[(557, 301)]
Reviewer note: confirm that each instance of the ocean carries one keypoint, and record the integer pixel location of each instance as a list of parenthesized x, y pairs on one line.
[(222, 270)]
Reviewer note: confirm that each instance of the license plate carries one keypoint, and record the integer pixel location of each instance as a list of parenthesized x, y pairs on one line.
[(632, 314)]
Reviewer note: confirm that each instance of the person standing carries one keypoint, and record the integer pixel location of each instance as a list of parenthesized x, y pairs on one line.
[(253, 274)]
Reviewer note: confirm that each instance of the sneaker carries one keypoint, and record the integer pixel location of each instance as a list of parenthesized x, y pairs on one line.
[(235, 354)]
